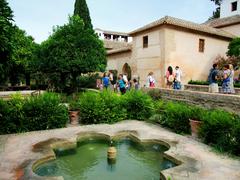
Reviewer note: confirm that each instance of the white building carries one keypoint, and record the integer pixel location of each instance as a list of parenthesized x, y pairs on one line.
[(112, 35), (229, 20), (230, 8)]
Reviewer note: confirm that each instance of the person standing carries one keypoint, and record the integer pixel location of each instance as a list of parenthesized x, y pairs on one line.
[(231, 78), (177, 80), (111, 80), (135, 84), (226, 80), (150, 80), (125, 80), (105, 80), (170, 77), (212, 78), (121, 84)]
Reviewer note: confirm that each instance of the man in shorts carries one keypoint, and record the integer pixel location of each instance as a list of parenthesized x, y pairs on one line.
[(212, 78)]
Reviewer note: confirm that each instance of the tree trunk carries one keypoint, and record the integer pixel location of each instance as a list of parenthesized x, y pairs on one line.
[(28, 79)]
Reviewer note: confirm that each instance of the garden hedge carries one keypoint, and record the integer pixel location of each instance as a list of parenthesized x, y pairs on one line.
[(33, 113)]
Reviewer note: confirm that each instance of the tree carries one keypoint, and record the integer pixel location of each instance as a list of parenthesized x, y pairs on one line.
[(234, 48), (23, 47), (69, 52), (81, 9), (6, 30), (216, 13)]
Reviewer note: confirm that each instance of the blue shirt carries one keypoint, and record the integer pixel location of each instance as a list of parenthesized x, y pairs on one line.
[(121, 83), (105, 81), (212, 76)]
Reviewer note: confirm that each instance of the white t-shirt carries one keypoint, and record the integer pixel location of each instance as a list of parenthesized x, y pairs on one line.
[(178, 74), (125, 79), (150, 79)]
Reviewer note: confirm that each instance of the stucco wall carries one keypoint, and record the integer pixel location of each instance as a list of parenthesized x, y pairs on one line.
[(234, 29), (169, 46), (117, 61), (226, 8), (150, 58), (182, 49)]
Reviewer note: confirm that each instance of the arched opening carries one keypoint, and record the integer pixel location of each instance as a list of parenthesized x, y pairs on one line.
[(127, 70)]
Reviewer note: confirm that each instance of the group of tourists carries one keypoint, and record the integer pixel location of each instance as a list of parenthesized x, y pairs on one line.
[(226, 77), (122, 84), (173, 78)]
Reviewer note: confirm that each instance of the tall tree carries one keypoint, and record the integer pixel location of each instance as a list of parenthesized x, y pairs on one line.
[(81, 9), (70, 52), (23, 47), (216, 13), (6, 29)]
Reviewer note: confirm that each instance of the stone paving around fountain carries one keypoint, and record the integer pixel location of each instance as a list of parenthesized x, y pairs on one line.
[(197, 161)]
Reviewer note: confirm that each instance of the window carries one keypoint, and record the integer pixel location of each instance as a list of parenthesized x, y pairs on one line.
[(145, 41), (234, 6), (201, 45)]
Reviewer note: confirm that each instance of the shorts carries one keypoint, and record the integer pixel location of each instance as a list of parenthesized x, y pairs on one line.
[(213, 88)]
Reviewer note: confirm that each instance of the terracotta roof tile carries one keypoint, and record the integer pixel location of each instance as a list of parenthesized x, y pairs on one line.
[(223, 22), (184, 24)]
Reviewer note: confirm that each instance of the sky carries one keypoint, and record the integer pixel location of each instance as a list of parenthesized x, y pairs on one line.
[(37, 17)]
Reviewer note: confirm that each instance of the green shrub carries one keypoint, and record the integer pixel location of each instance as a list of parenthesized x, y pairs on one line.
[(198, 82), (44, 112), (237, 85), (88, 81), (15, 115), (173, 115), (34, 113), (236, 137), (5, 125), (139, 105), (176, 116), (105, 107), (218, 129), (154, 94), (197, 113)]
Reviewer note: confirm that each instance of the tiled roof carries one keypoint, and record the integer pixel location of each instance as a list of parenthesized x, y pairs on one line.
[(223, 22), (184, 24), (120, 50), (112, 32)]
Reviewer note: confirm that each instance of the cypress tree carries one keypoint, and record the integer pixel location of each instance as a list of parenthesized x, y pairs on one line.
[(6, 31), (81, 9)]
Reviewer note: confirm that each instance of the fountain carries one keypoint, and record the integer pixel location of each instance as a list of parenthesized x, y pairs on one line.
[(125, 159)]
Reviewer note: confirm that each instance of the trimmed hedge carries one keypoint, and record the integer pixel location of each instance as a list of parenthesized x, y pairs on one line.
[(173, 115), (33, 113), (220, 129), (105, 107), (109, 107), (139, 105)]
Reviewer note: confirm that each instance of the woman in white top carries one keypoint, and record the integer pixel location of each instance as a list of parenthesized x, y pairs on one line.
[(150, 80), (231, 76)]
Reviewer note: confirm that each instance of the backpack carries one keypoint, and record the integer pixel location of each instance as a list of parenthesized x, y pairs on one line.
[(171, 78)]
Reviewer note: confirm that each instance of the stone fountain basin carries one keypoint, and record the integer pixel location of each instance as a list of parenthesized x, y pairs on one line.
[(21, 153), (62, 147)]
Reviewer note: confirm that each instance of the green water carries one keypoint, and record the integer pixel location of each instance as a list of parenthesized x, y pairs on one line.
[(89, 162)]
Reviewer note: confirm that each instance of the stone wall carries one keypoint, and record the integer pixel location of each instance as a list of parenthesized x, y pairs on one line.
[(221, 101), (204, 88)]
